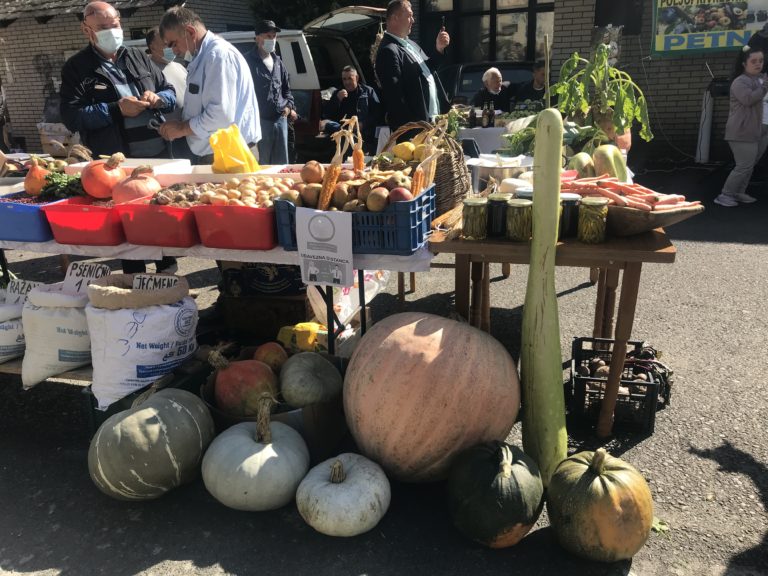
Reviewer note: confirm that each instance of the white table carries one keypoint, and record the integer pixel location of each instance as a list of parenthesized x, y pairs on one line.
[(488, 139)]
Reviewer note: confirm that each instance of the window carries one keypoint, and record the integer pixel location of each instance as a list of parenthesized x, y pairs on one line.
[(490, 30)]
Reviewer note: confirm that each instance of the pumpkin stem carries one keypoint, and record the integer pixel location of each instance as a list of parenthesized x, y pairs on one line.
[(598, 461), (217, 360), (143, 169), (115, 160), (337, 472), (263, 418), (505, 465)]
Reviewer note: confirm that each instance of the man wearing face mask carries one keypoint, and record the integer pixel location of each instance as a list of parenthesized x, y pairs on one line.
[(219, 85), (493, 90), (273, 93), (110, 94)]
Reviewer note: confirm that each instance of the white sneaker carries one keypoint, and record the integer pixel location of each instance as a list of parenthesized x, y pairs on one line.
[(726, 200), (744, 198)]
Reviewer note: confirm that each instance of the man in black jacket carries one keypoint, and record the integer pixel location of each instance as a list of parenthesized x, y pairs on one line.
[(110, 94), (355, 99), (410, 89), (114, 96)]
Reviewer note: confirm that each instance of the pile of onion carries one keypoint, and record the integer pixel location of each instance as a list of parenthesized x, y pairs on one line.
[(100, 176), (139, 184)]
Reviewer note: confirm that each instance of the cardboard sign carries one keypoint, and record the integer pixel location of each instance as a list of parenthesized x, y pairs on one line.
[(154, 281), (80, 274), (324, 242), (17, 291)]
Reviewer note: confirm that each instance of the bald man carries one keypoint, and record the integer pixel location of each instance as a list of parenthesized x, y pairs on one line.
[(112, 95)]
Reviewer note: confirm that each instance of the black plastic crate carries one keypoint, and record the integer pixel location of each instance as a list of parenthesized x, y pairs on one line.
[(638, 399)]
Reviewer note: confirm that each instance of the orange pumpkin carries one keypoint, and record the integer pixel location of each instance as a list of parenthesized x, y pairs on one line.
[(421, 388), (34, 181), (139, 184), (100, 176)]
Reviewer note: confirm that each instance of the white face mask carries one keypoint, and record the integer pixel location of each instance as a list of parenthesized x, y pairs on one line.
[(168, 54), (269, 45), (109, 41), (189, 56)]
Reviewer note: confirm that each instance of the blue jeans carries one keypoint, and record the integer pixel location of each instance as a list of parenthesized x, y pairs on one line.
[(273, 146)]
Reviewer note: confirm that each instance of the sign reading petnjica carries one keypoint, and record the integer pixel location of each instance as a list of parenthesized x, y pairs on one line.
[(324, 242), (80, 274), (17, 290), (692, 26), (154, 281)]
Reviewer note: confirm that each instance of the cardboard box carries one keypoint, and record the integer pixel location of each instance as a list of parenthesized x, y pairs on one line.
[(50, 133)]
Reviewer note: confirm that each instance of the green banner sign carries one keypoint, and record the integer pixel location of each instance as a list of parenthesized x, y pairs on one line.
[(689, 26)]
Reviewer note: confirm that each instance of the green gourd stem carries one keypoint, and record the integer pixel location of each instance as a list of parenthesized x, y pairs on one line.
[(544, 434), (115, 160), (598, 462), (337, 472), (264, 418), (505, 464), (217, 360)]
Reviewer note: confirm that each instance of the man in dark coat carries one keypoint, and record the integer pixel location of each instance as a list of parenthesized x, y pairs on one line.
[(354, 99), (410, 89)]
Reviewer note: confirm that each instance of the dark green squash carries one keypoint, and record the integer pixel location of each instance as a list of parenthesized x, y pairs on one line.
[(495, 494)]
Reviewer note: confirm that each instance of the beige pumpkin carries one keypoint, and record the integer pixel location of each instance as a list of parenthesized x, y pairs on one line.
[(420, 388)]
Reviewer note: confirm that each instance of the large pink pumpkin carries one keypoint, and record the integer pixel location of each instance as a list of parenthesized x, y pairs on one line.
[(421, 388)]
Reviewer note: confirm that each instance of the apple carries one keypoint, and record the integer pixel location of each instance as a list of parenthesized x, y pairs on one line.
[(272, 354), (400, 194), (377, 200)]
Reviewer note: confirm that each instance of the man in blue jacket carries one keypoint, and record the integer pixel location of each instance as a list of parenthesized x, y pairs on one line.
[(410, 89), (273, 93)]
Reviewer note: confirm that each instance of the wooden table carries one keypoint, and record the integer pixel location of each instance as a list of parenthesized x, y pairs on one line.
[(627, 254)]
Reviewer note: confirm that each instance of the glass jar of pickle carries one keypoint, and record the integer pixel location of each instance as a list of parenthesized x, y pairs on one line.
[(519, 219), (475, 218), (593, 214), (497, 215)]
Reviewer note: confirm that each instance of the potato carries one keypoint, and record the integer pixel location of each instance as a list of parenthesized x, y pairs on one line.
[(345, 175), (311, 195), (602, 372), (220, 200), (232, 183), (363, 190), (233, 194), (235, 202), (340, 195)]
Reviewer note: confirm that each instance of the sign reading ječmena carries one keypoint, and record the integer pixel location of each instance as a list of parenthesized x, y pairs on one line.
[(682, 26)]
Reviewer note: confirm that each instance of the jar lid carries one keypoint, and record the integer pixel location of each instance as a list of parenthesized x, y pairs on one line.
[(524, 192), (569, 197), (499, 197), (594, 201), (475, 201), (519, 202)]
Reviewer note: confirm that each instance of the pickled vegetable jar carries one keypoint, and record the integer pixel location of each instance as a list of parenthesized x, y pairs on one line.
[(519, 219), (497, 215), (593, 214), (475, 217)]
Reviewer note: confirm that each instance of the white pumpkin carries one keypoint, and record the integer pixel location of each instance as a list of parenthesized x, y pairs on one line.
[(255, 466), (344, 496)]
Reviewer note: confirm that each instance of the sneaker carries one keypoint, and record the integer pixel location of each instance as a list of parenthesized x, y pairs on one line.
[(172, 269), (744, 198), (726, 200)]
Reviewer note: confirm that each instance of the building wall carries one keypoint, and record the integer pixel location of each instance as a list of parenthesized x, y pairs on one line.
[(32, 54), (673, 86)]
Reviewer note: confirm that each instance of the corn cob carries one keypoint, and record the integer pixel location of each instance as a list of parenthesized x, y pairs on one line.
[(358, 156), (417, 182), (331, 176)]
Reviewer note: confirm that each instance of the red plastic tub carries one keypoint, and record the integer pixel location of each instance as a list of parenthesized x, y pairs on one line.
[(148, 224), (236, 227), (77, 221)]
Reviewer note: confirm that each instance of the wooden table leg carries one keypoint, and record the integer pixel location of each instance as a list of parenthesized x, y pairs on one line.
[(594, 275), (611, 283), (625, 318), (505, 269), (477, 294), (461, 283), (412, 286), (597, 328), (485, 318)]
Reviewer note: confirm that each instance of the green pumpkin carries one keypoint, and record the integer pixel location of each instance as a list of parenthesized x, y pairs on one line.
[(495, 494)]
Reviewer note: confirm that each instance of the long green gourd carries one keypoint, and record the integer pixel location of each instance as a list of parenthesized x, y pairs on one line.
[(544, 435)]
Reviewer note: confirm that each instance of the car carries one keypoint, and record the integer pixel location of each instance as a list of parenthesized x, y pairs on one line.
[(463, 81), (315, 57)]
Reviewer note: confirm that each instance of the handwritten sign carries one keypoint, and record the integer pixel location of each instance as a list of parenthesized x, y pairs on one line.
[(17, 291), (80, 274), (154, 281), (324, 242)]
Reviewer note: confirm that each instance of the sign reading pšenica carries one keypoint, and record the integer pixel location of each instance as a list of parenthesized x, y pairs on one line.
[(688, 26)]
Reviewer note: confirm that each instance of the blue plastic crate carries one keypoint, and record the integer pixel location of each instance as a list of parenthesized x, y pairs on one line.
[(23, 222), (401, 229)]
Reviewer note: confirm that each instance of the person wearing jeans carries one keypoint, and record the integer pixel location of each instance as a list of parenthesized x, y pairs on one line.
[(745, 130)]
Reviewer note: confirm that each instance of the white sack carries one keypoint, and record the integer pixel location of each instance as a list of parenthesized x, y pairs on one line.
[(56, 332), (133, 347), (11, 330)]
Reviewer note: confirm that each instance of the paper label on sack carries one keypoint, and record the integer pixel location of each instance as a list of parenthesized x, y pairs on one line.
[(154, 281), (324, 241), (17, 291), (80, 274)]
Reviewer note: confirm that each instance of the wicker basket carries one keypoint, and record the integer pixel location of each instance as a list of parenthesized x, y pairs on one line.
[(452, 180)]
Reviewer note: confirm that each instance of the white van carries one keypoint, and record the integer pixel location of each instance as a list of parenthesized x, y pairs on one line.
[(314, 58)]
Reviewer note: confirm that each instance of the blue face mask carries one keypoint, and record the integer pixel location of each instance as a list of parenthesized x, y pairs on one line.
[(168, 54)]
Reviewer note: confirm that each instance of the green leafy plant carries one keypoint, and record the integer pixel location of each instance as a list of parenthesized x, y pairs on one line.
[(594, 92)]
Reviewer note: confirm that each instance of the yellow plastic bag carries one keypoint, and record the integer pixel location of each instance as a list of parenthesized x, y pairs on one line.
[(231, 154)]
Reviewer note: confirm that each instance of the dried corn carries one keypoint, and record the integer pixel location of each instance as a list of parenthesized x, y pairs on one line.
[(417, 182), (331, 176)]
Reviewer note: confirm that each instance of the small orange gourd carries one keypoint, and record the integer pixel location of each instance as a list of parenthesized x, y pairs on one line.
[(34, 181)]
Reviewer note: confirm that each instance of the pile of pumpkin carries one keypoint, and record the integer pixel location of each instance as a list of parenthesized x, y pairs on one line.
[(426, 398)]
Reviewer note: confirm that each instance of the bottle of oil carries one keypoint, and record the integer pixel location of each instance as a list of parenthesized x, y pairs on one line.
[(472, 117), (486, 120)]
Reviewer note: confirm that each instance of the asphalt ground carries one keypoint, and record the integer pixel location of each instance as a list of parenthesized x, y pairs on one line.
[(706, 462)]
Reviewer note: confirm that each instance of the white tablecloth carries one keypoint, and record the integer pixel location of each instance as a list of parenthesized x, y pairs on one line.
[(417, 262), (488, 139)]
